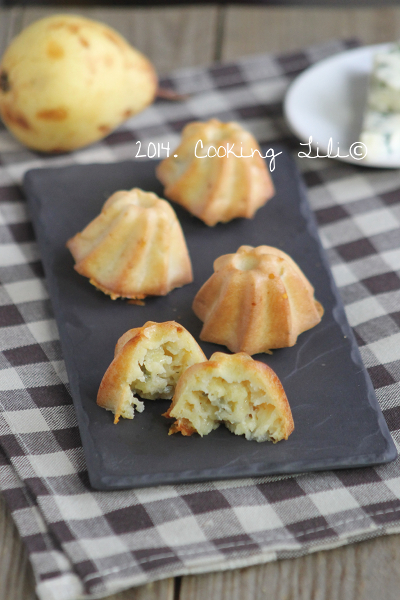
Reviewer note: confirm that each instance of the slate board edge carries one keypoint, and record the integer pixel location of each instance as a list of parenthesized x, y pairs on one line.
[(107, 482), (391, 452)]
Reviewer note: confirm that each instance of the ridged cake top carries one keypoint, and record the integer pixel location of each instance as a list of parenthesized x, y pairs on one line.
[(134, 248), (217, 172), (256, 300)]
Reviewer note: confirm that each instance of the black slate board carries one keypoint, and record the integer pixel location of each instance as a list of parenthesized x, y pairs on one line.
[(338, 422)]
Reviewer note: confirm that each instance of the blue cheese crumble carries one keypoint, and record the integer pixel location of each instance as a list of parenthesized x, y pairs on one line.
[(381, 125)]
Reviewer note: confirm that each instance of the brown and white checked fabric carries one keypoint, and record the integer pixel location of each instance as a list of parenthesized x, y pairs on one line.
[(84, 543)]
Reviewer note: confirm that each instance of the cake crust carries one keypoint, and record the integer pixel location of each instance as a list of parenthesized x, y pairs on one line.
[(222, 187), (258, 299), (148, 362), (134, 248)]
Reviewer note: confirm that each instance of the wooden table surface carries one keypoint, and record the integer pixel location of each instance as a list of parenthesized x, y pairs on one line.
[(177, 37)]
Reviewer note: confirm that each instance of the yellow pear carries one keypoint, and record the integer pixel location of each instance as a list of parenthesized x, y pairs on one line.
[(66, 82)]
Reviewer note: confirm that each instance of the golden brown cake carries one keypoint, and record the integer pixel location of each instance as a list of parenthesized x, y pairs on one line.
[(217, 188), (244, 394), (134, 248), (148, 362), (256, 300)]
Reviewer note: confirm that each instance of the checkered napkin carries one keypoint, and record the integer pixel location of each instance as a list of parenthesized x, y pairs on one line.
[(84, 543)]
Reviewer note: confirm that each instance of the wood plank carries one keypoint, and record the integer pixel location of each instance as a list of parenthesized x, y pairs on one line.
[(10, 24), (170, 37), (157, 590), (16, 577), (363, 571), (265, 29)]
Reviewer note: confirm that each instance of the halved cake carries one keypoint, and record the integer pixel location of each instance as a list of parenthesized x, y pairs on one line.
[(134, 248), (244, 394), (217, 172), (148, 363), (256, 300)]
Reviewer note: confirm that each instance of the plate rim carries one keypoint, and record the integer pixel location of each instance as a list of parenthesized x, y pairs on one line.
[(298, 82)]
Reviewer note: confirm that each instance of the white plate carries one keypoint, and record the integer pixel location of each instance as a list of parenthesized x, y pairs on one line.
[(327, 101)]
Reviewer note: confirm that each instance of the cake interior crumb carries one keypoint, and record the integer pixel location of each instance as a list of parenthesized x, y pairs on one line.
[(242, 407), (161, 368)]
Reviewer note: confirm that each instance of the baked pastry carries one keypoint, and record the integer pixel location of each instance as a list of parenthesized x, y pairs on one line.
[(221, 186), (134, 248), (256, 300), (244, 394), (148, 362)]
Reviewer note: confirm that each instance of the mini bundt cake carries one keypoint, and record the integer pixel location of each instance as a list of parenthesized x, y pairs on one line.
[(134, 248), (148, 362), (244, 394), (256, 300), (221, 186)]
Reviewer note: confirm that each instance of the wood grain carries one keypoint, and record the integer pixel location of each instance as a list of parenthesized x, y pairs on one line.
[(264, 29), (10, 24), (170, 37), (157, 590), (16, 576), (363, 571)]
